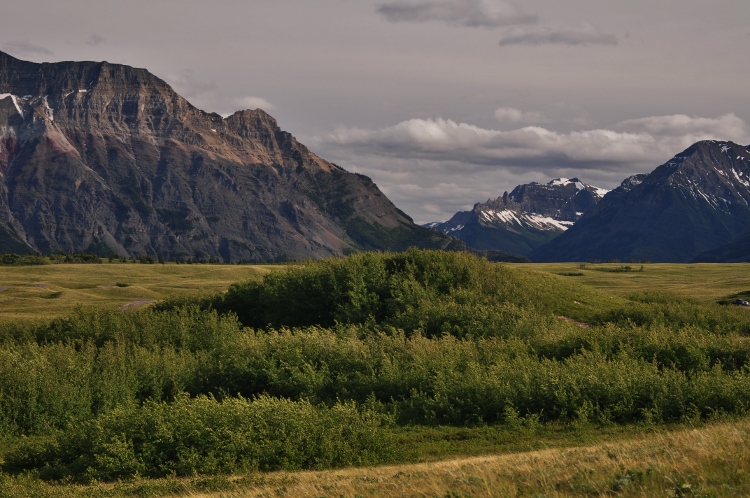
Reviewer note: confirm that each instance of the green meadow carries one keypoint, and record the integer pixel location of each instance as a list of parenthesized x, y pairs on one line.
[(53, 290), (422, 373), (699, 281)]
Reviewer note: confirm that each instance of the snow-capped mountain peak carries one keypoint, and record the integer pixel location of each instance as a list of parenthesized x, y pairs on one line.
[(523, 219), (697, 201)]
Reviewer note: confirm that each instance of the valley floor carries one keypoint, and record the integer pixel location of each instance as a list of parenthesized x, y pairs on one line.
[(700, 281), (54, 290)]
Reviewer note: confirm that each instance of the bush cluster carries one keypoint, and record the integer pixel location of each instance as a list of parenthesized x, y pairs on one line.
[(203, 435), (12, 259), (431, 291)]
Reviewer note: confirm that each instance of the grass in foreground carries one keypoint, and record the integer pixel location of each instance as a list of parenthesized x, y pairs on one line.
[(713, 460)]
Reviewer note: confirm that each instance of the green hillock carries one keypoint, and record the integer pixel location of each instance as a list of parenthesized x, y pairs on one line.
[(433, 292)]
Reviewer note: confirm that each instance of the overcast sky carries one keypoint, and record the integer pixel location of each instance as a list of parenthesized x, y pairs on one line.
[(443, 103)]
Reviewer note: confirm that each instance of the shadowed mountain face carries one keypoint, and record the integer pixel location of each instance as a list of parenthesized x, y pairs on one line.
[(108, 158), (530, 216), (736, 251), (696, 202)]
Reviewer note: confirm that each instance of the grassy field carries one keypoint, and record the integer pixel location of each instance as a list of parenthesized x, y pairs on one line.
[(53, 290), (705, 281), (646, 396)]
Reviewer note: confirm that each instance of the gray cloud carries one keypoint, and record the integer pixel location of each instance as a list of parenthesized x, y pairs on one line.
[(477, 148), (469, 13), (432, 190), (545, 35), (95, 40), (435, 167), (24, 48), (728, 127), (645, 142)]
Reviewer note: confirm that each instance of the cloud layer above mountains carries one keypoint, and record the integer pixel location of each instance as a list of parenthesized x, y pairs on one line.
[(637, 141), (404, 157)]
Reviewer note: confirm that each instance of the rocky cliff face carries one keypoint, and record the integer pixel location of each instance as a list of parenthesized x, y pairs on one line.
[(696, 202), (528, 217), (108, 158)]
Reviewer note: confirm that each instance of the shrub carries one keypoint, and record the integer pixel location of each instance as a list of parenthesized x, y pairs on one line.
[(431, 291), (205, 436)]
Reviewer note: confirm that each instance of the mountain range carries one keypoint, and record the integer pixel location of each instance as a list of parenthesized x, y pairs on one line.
[(686, 209), (107, 158), (529, 217), (695, 207)]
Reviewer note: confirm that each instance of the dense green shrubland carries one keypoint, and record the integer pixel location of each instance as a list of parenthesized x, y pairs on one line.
[(370, 340), (203, 435), (430, 291)]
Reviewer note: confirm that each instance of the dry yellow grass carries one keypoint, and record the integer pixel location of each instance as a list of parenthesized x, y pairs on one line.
[(54, 290), (709, 461), (704, 281)]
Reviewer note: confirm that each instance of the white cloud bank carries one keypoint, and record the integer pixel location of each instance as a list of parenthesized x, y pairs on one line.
[(640, 141), (432, 168)]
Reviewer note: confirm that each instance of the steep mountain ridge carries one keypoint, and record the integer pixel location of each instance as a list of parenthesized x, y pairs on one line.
[(105, 157), (528, 217), (696, 202)]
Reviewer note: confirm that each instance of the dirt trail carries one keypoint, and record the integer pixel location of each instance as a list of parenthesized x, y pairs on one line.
[(137, 304), (593, 470)]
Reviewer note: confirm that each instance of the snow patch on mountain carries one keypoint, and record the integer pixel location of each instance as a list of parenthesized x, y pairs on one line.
[(4, 96), (579, 185), (547, 223), (559, 181), (738, 176), (530, 220), (51, 111)]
